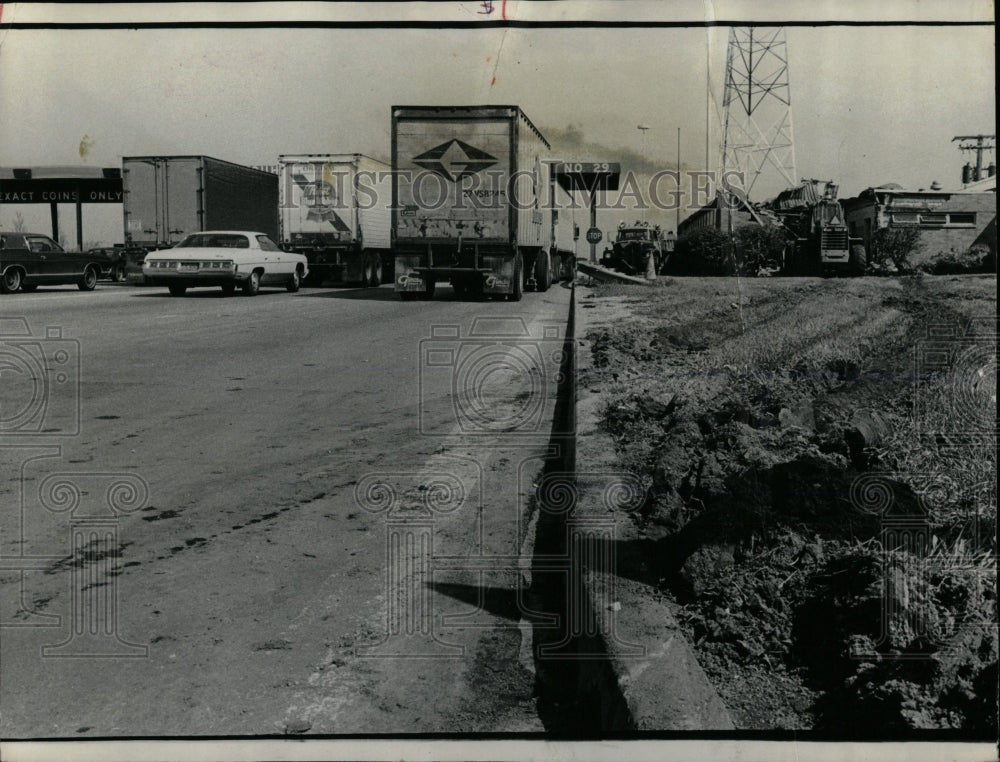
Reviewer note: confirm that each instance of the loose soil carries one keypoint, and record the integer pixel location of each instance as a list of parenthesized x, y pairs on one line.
[(820, 465)]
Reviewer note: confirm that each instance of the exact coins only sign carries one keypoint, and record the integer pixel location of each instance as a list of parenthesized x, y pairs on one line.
[(594, 235)]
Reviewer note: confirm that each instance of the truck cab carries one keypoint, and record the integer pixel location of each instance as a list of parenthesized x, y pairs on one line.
[(632, 247)]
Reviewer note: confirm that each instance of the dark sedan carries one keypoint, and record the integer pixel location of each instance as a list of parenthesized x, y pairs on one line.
[(30, 260)]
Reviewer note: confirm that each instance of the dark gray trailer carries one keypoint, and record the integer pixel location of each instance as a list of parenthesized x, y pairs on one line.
[(167, 197)]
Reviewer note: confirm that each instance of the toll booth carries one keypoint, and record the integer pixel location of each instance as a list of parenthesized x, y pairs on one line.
[(61, 185), (589, 176)]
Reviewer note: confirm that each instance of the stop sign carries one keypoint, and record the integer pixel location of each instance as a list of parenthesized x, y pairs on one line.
[(594, 235)]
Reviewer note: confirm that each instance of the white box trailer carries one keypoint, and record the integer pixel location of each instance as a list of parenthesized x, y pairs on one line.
[(334, 209), (565, 212), (470, 202)]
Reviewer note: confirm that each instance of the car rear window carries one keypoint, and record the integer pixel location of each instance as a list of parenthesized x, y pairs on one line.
[(215, 240), (267, 244), (41, 245)]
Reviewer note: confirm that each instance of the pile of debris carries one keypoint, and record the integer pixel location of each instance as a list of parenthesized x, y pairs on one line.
[(755, 524)]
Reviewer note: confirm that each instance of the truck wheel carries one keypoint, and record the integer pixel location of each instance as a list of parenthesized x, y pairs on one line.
[(428, 293), (89, 280), (460, 289), (367, 271), (407, 296), (518, 279), (118, 275), (293, 283), (377, 271), (11, 280), (252, 284), (177, 290), (543, 276)]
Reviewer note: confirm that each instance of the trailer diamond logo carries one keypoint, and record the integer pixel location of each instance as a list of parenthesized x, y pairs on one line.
[(455, 160)]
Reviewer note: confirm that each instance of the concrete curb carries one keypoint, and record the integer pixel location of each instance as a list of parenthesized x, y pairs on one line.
[(657, 681)]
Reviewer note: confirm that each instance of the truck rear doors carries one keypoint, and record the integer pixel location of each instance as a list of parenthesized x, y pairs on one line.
[(162, 199)]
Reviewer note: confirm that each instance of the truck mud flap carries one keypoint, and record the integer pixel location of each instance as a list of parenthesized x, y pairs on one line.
[(501, 278)]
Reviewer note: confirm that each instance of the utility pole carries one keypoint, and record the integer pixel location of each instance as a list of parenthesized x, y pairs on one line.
[(708, 103), (642, 130), (979, 147), (677, 219)]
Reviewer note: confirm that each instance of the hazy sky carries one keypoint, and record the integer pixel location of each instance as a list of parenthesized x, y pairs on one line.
[(869, 104)]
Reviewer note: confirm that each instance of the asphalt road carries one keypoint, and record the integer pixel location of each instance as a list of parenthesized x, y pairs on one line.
[(327, 509)]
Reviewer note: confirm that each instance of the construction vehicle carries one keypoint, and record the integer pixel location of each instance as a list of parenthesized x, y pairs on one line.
[(633, 246), (818, 239), (469, 184), (334, 209)]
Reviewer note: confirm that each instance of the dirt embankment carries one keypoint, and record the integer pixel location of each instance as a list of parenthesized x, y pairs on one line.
[(821, 496)]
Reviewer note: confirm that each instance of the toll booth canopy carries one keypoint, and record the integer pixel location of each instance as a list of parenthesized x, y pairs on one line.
[(56, 185)]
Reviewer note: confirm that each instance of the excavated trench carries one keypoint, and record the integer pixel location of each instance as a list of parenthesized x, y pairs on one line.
[(576, 689)]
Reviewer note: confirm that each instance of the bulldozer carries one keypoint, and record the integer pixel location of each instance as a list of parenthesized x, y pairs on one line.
[(818, 238)]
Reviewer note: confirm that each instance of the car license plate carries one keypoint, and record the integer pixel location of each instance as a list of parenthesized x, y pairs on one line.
[(189, 265)]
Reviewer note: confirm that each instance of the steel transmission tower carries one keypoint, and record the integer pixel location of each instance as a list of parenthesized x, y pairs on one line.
[(757, 109)]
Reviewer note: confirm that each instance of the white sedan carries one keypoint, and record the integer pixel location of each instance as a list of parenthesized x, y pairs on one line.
[(226, 258)]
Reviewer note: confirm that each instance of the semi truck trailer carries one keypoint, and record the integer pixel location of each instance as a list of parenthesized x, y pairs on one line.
[(472, 203), (167, 197), (334, 209)]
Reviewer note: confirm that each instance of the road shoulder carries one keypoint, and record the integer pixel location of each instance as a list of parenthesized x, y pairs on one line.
[(652, 664)]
